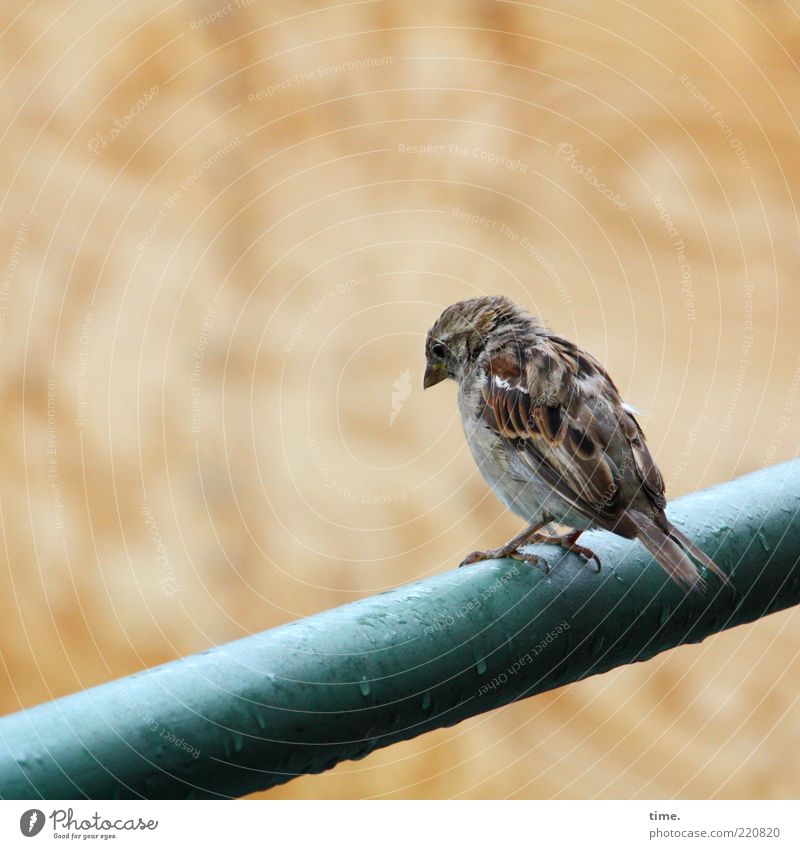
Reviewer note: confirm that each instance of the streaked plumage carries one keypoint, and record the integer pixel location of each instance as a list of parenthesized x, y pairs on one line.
[(551, 435)]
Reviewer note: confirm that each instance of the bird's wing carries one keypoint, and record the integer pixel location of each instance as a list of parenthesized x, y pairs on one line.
[(557, 407), (646, 468)]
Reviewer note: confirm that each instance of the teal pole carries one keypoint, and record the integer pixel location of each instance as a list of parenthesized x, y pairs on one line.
[(300, 698)]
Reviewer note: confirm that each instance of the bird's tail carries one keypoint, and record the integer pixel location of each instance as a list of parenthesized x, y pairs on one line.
[(671, 549)]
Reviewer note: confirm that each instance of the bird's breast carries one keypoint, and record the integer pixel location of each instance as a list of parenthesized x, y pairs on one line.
[(513, 480)]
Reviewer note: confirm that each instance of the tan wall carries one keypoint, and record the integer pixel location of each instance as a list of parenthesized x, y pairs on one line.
[(162, 381)]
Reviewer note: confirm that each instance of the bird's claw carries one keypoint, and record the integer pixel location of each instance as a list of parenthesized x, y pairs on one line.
[(567, 542), (533, 559), (587, 555), (503, 554), (475, 557)]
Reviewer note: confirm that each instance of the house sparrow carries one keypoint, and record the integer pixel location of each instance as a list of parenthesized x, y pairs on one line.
[(552, 437)]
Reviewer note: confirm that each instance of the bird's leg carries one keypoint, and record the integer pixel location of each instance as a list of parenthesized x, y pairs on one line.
[(569, 542), (510, 550)]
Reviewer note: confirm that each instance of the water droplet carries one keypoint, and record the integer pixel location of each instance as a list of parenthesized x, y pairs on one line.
[(480, 667), (598, 643), (238, 743), (427, 701), (663, 615), (364, 687)]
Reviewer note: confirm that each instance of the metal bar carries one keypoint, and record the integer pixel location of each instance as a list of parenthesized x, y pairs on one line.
[(301, 698)]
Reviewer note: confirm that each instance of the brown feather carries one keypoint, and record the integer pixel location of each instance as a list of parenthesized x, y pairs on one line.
[(555, 409), (667, 553), (645, 465), (697, 553), (556, 446)]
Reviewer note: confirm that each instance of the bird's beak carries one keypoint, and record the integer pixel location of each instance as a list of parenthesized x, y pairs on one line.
[(434, 373)]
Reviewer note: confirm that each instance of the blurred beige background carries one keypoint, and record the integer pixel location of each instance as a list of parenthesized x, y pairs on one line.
[(225, 232)]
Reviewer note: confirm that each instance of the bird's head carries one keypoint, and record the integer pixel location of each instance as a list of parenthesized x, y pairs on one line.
[(461, 333)]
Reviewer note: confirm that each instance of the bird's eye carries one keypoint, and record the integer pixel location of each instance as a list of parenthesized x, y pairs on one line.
[(438, 350)]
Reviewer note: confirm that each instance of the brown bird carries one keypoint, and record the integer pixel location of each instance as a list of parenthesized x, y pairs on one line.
[(552, 436)]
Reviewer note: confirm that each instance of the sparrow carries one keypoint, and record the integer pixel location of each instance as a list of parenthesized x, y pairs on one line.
[(552, 437)]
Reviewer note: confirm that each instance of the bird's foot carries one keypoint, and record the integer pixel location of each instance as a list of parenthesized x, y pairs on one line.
[(506, 553), (569, 542)]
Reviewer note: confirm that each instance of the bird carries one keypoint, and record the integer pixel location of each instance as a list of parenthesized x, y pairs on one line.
[(553, 438)]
